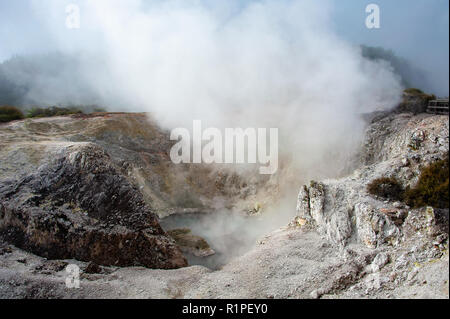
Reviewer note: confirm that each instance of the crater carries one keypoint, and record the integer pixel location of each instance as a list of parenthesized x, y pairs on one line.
[(227, 233)]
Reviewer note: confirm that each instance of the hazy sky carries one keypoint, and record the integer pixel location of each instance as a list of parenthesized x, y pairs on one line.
[(414, 29)]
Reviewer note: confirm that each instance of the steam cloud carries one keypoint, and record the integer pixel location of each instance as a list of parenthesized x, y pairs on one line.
[(263, 64)]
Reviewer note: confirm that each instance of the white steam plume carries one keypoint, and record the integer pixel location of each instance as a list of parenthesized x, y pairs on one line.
[(262, 64)]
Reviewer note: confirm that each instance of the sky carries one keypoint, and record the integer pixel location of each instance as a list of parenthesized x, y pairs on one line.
[(415, 29)]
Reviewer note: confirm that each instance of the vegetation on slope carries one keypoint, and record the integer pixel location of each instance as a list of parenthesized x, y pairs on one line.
[(10, 113), (52, 111), (420, 94), (386, 187), (431, 189)]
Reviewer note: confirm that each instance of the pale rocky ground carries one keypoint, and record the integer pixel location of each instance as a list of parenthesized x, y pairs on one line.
[(344, 243), (138, 148)]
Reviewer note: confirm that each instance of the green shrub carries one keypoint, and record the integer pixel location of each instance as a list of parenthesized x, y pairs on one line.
[(386, 187), (430, 190), (52, 111), (99, 110), (414, 91), (415, 101), (87, 108), (432, 187), (420, 94), (10, 113)]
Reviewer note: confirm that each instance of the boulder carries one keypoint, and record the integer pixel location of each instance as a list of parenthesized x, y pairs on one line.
[(80, 206), (190, 243)]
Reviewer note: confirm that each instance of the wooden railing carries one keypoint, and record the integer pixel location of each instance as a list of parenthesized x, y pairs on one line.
[(438, 106)]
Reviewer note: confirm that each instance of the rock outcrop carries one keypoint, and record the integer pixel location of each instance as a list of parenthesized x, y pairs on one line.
[(80, 206), (405, 241), (345, 214), (190, 243), (138, 148), (414, 101), (92, 187)]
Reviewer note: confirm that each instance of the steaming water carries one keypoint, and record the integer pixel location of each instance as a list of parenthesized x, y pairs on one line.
[(227, 233)]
